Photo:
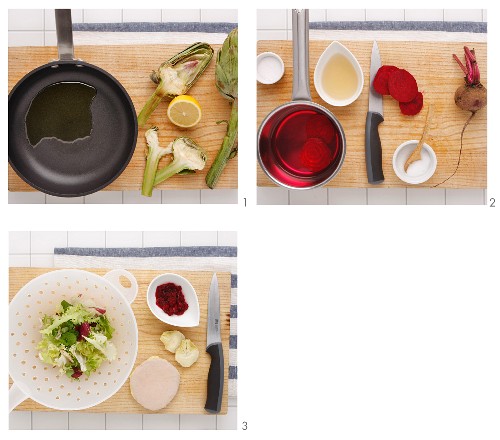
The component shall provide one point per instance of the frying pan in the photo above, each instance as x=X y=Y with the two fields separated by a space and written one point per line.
x=268 y=145
x=88 y=164
x=46 y=385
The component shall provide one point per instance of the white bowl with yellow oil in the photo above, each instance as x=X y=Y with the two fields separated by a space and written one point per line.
x=338 y=77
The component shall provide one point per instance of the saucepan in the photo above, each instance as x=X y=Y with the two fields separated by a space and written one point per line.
x=301 y=144
x=93 y=159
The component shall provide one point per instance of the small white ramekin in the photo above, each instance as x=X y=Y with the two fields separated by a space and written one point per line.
x=276 y=75
x=402 y=154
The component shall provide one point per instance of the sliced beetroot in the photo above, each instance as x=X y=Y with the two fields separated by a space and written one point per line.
x=76 y=373
x=315 y=155
x=319 y=126
x=414 y=106
x=402 y=86
x=380 y=82
x=84 y=330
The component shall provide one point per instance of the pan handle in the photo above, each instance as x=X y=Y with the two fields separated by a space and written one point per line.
x=64 y=28
x=300 y=35
x=16 y=396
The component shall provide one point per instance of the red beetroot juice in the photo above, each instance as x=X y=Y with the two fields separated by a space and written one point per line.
x=305 y=143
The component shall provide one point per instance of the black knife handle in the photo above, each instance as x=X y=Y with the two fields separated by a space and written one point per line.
x=373 y=148
x=215 y=382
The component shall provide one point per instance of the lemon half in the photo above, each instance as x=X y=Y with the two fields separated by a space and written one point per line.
x=184 y=111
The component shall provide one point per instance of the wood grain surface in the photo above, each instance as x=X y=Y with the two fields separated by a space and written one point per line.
x=437 y=75
x=191 y=396
x=131 y=65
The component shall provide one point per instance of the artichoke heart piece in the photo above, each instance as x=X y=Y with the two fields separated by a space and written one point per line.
x=187 y=157
x=187 y=353
x=172 y=339
x=176 y=76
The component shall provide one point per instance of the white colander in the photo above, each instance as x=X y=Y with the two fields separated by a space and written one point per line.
x=42 y=382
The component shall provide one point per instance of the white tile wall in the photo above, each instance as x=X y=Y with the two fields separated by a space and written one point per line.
x=120 y=239
x=45 y=242
x=385 y=14
x=50 y=420
x=199 y=238
x=463 y=15
x=426 y=196
x=424 y=14
x=123 y=421
x=386 y=196
x=36 y=27
x=273 y=196
x=317 y=196
x=198 y=421
x=227 y=238
x=181 y=15
x=22 y=248
x=86 y=239
x=103 y=15
x=86 y=421
x=346 y=14
x=161 y=421
x=347 y=196
x=142 y=15
x=219 y=15
x=159 y=239
x=274 y=24
x=26 y=19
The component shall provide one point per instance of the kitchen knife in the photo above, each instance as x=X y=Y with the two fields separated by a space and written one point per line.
x=373 y=146
x=215 y=382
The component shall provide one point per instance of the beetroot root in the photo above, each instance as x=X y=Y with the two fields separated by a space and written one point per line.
x=471 y=97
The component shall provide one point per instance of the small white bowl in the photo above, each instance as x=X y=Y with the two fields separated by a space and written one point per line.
x=417 y=172
x=191 y=317
x=270 y=68
x=334 y=49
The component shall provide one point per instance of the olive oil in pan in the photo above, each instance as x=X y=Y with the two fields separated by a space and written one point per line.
x=61 y=111
x=339 y=77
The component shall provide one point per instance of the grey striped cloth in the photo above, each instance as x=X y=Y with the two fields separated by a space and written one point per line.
x=206 y=258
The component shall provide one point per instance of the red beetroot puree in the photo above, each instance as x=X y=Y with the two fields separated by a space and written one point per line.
x=170 y=299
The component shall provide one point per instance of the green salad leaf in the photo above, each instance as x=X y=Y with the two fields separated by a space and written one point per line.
x=76 y=339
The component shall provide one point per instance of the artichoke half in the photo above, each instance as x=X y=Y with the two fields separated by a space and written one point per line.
x=176 y=76
x=226 y=81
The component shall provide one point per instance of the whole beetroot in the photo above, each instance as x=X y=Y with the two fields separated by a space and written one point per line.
x=471 y=96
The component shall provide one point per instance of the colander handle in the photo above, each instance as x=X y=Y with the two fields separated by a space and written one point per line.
x=128 y=292
x=16 y=396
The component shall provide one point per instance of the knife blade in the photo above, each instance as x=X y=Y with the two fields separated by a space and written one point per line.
x=375 y=115
x=215 y=381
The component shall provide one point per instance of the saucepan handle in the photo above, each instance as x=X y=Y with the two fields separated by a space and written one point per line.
x=16 y=396
x=300 y=35
x=64 y=29
x=128 y=292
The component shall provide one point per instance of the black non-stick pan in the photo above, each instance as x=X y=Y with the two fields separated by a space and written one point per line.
x=90 y=163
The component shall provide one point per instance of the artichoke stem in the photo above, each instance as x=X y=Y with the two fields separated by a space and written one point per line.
x=150 y=106
x=225 y=150
x=152 y=162
x=168 y=171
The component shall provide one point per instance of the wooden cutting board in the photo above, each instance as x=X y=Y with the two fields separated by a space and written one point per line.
x=192 y=393
x=437 y=75
x=131 y=65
